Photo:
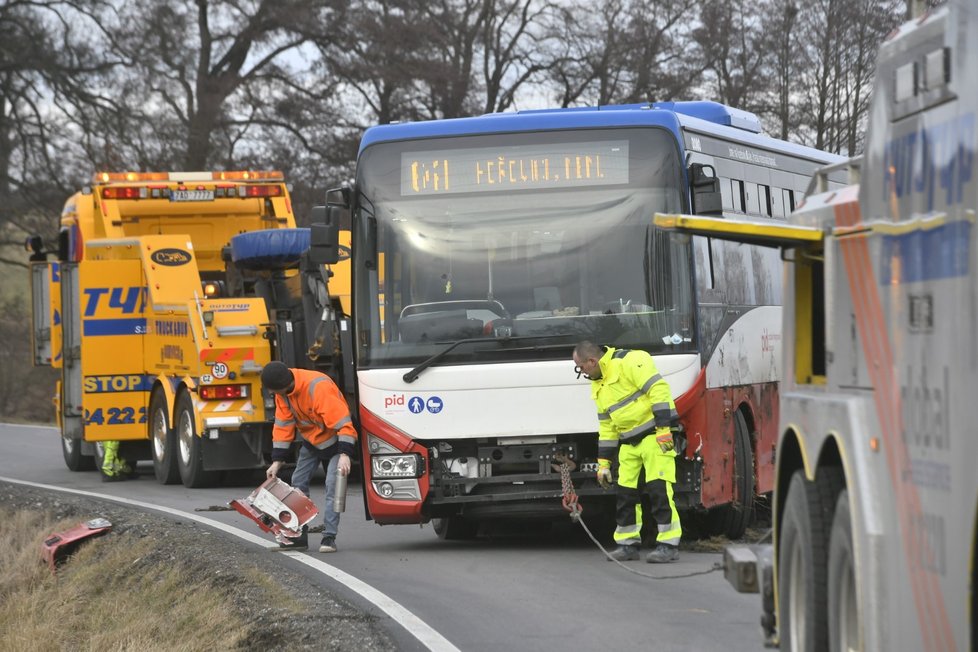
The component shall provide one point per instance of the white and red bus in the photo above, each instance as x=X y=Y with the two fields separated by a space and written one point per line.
x=485 y=248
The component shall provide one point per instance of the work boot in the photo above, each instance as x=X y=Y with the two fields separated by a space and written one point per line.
x=115 y=477
x=328 y=544
x=625 y=553
x=663 y=554
x=300 y=543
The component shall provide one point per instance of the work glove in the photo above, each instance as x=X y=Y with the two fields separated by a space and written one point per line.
x=604 y=476
x=665 y=441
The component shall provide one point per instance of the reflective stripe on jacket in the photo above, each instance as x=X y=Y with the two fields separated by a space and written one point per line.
x=633 y=401
x=318 y=411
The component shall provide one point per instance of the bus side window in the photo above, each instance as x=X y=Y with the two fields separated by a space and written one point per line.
x=789 y=200
x=737 y=194
x=725 y=194
x=753 y=206
x=777 y=203
x=766 y=200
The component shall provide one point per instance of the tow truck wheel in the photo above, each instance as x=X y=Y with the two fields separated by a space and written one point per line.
x=454 y=528
x=190 y=458
x=74 y=460
x=163 y=441
x=843 y=606
x=801 y=569
x=99 y=456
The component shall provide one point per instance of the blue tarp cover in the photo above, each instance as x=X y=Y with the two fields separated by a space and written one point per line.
x=269 y=249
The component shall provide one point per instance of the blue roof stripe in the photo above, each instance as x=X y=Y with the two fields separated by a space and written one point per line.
x=499 y=123
x=705 y=117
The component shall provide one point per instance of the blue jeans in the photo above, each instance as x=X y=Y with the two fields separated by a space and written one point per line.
x=304 y=467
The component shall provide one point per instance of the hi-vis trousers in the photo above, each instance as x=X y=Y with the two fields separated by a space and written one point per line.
x=660 y=475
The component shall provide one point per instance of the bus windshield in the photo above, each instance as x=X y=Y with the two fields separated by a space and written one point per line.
x=522 y=243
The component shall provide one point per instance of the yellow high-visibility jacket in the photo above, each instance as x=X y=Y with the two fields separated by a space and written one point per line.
x=633 y=401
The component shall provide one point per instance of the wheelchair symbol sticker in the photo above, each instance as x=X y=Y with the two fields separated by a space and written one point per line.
x=434 y=405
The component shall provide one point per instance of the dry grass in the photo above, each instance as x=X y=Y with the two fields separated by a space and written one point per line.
x=116 y=593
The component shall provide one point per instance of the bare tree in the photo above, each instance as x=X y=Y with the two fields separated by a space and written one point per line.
x=483 y=52
x=779 y=24
x=192 y=60
x=588 y=66
x=515 y=48
x=731 y=36
x=379 y=54
x=627 y=51
x=45 y=61
x=661 y=57
x=839 y=40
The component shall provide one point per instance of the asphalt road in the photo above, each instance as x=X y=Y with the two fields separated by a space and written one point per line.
x=507 y=591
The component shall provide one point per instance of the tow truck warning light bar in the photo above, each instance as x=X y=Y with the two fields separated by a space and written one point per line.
x=235 y=175
x=195 y=193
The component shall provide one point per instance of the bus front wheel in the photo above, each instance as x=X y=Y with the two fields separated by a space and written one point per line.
x=454 y=528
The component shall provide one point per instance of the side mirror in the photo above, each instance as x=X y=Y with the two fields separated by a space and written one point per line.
x=324 y=237
x=339 y=197
x=705 y=187
x=64 y=245
x=318 y=215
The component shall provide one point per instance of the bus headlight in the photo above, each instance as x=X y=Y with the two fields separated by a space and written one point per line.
x=397 y=466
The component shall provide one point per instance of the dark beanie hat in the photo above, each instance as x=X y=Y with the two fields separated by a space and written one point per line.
x=276 y=376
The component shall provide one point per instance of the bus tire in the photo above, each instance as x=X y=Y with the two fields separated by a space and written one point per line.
x=190 y=459
x=732 y=519
x=842 y=603
x=802 y=577
x=71 y=449
x=163 y=441
x=454 y=528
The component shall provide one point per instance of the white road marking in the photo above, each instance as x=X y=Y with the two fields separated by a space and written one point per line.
x=430 y=638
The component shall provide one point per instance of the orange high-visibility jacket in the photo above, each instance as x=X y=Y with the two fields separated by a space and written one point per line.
x=317 y=409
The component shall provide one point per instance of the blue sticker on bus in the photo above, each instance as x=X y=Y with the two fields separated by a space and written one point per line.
x=434 y=405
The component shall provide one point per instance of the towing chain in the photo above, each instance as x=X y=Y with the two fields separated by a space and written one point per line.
x=567 y=486
x=570 y=503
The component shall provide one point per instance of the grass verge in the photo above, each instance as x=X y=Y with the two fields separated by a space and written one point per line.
x=115 y=593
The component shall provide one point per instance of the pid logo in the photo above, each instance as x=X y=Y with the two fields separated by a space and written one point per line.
x=414 y=404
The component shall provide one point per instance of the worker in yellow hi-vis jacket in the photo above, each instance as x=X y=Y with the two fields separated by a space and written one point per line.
x=635 y=416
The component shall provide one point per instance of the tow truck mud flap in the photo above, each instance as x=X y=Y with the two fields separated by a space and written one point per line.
x=277 y=508
x=57 y=547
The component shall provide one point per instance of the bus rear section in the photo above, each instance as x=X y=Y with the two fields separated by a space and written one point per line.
x=485 y=249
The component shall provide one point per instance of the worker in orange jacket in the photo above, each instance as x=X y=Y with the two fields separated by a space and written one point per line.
x=309 y=403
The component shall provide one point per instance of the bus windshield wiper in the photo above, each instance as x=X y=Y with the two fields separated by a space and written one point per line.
x=412 y=375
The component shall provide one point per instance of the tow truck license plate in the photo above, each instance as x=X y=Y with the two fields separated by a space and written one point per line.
x=191 y=195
